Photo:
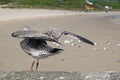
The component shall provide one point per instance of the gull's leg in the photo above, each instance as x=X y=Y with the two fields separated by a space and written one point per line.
x=37 y=63
x=31 y=69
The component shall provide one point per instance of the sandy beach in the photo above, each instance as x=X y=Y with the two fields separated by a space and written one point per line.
x=99 y=27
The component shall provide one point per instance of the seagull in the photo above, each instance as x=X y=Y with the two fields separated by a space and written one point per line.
x=35 y=44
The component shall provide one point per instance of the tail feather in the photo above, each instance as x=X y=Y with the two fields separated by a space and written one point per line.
x=56 y=51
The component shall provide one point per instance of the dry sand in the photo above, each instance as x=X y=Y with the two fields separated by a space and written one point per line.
x=100 y=27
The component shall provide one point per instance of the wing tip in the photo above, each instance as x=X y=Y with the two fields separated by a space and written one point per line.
x=93 y=44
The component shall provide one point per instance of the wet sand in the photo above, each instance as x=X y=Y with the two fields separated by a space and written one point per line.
x=99 y=27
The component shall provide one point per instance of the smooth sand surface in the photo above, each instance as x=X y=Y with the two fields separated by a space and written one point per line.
x=13 y=14
x=99 y=27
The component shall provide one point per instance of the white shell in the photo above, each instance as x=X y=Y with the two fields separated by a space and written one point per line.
x=72 y=44
x=95 y=44
x=104 y=48
x=79 y=40
x=62 y=77
x=41 y=78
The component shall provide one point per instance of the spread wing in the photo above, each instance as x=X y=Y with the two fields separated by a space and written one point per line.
x=78 y=37
x=32 y=34
x=57 y=33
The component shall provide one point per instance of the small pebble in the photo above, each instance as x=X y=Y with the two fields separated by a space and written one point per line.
x=95 y=44
x=87 y=77
x=79 y=40
x=62 y=60
x=41 y=78
x=104 y=48
x=95 y=49
x=71 y=40
x=118 y=45
x=79 y=46
x=72 y=44
x=109 y=43
x=62 y=77
x=106 y=41
x=112 y=52
x=64 y=12
x=118 y=61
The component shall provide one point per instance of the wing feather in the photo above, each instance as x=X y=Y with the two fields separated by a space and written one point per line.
x=56 y=33
x=78 y=37
x=32 y=34
x=51 y=34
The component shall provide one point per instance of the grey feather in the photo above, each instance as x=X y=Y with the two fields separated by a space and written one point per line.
x=32 y=34
x=79 y=37
x=57 y=33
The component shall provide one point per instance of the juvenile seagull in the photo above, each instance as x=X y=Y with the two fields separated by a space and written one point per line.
x=35 y=45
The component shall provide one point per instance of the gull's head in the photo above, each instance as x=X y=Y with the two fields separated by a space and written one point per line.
x=25 y=33
x=13 y=34
x=16 y=34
